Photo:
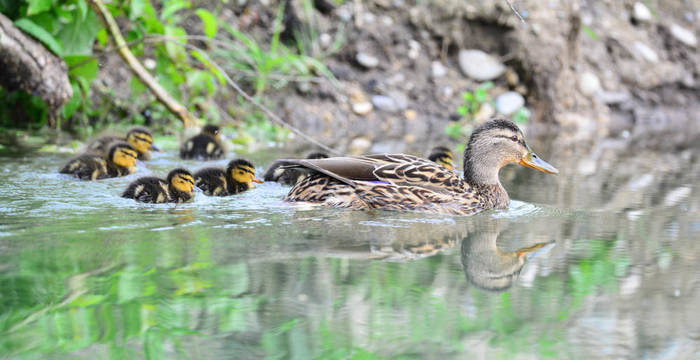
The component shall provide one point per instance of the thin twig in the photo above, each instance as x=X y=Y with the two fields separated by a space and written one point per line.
x=137 y=68
x=515 y=11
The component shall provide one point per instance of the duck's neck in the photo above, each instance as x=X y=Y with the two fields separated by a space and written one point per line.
x=235 y=187
x=179 y=196
x=481 y=172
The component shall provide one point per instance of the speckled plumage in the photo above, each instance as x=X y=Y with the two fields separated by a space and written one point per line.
x=151 y=189
x=203 y=146
x=101 y=145
x=286 y=176
x=95 y=167
x=217 y=181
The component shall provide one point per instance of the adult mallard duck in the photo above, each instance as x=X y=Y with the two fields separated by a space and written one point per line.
x=238 y=177
x=204 y=146
x=443 y=156
x=176 y=188
x=120 y=161
x=278 y=173
x=408 y=183
x=138 y=137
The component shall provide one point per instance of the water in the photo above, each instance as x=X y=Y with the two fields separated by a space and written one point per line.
x=87 y=274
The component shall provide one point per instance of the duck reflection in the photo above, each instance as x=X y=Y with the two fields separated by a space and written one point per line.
x=489 y=268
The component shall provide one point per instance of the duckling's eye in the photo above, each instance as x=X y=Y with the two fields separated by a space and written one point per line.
x=514 y=138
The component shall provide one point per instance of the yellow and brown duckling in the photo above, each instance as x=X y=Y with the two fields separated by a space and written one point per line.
x=176 y=188
x=408 y=183
x=238 y=177
x=278 y=173
x=138 y=137
x=443 y=156
x=120 y=161
x=204 y=146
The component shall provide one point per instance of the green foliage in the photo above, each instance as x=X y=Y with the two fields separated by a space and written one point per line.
x=588 y=31
x=474 y=100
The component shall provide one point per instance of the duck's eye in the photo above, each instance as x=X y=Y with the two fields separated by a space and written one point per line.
x=514 y=138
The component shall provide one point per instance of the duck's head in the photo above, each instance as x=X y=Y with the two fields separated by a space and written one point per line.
x=122 y=154
x=181 y=180
x=494 y=144
x=242 y=171
x=443 y=156
x=140 y=139
x=213 y=131
x=317 y=155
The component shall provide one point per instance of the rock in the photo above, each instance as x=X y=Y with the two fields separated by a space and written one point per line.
x=486 y=111
x=410 y=114
x=438 y=69
x=366 y=60
x=359 y=145
x=684 y=35
x=512 y=77
x=589 y=84
x=413 y=49
x=509 y=102
x=399 y=98
x=611 y=97
x=676 y=195
x=646 y=52
x=149 y=63
x=325 y=40
x=385 y=103
x=641 y=12
x=362 y=108
x=479 y=65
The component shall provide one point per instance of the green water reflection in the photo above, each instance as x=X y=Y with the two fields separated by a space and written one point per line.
x=248 y=277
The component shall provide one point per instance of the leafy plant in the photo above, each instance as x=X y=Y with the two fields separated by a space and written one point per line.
x=474 y=100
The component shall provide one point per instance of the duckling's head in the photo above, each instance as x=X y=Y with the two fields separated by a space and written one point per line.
x=122 y=154
x=242 y=171
x=494 y=144
x=140 y=139
x=212 y=130
x=317 y=155
x=443 y=156
x=181 y=180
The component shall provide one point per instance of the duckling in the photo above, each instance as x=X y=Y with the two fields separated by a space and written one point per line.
x=204 y=146
x=176 y=188
x=120 y=161
x=238 y=177
x=443 y=156
x=138 y=137
x=289 y=176
x=407 y=183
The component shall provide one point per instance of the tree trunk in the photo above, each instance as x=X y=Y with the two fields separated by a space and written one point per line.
x=25 y=64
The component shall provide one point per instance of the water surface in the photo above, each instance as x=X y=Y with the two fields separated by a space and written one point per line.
x=87 y=274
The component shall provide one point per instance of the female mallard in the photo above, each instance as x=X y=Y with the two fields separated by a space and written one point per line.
x=405 y=182
x=176 y=188
x=120 y=161
x=238 y=177
x=278 y=173
x=138 y=137
x=204 y=146
x=443 y=156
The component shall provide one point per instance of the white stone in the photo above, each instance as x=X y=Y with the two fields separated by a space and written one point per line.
x=385 y=103
x=641 y=12
x=486 y=111
x=438 y=69
x=413 y=49
x=366 y=60
x=362 y=108
x=479 y=65
x=509 y=102
x=149 y=63
x=325 y=39
x=684 y=35
x=646 y=52
x=588 y=83
x=359 y=145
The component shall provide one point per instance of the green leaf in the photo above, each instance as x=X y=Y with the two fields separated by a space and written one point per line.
x=83 y=7
x=136 y=9
x=588 y=31
x=137 y=87
x=82 y=66
x=37 y=6
x=102 y=37
x=74 y=102
x=174 y=49
x=40 y=34
x=78 y=36
x=209 y=24
x=46 y=20
x=173 y=7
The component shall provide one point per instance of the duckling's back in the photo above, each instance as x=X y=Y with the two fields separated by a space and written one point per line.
x=101 y=145
x=202 y=147
x=212 y=181
x=86 y=167
x=149 y=190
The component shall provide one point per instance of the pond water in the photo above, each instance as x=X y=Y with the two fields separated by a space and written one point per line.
x=87 y=274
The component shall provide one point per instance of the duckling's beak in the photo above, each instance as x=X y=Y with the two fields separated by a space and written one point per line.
x=534 y=161
x=155 y=148
x=258 y=181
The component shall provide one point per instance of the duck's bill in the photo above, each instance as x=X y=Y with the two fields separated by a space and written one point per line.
x=258 y=181
x=155 y=148
x=534 y=161
x=535 y=250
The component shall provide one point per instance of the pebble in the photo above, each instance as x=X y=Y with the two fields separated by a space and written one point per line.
x=684 y=35
x=641 y=12
x=589 y=84
x=646 y=52
x=512 y=77
x=410 y=114
x=326 y=40
x=149 y=63
x=399 y=98
x=613 y=97
x=366 y=60
x=385 y=103
x=413 y=49
x=479 y=65
x=438 y=69
x=362 y=107
x=486 y=111
x=509 y=102
x=359 y=145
